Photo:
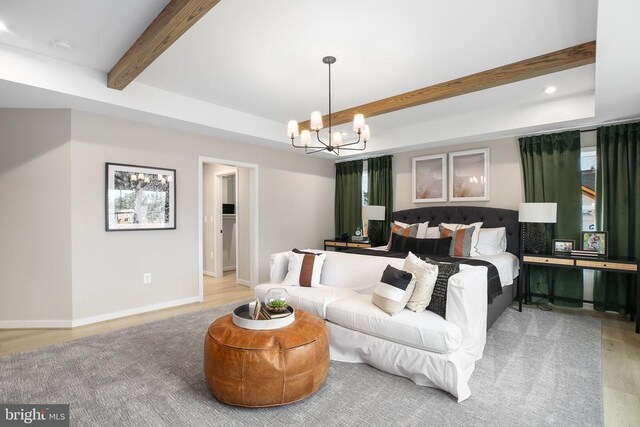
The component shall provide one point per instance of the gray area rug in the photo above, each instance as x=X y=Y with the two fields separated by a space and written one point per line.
x=539 y=368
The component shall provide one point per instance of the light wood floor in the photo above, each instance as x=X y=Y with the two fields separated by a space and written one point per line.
x=620 y=345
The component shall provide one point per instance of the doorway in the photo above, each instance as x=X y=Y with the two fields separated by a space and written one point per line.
x=228 y=220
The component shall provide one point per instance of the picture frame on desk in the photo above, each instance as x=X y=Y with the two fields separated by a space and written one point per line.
x=595 y=241
x=563 y=246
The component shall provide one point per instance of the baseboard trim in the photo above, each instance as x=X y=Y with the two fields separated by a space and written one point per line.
x=243 y=282
x=209 y=273
x=230 y=268
x=35 y=324
x=132 y=311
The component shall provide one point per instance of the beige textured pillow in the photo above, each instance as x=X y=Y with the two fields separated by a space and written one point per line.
x=426 y=275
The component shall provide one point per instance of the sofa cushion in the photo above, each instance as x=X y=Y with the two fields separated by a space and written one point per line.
x=425 y=330
x=395 y=288
x=313 y=300
x=304 y=269
x=360 y=273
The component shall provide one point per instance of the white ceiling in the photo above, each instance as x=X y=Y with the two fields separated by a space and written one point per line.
x=249 y=66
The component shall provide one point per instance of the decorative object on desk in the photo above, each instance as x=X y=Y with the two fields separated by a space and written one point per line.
x=563 y=246
x=469 y=175
x=536 y=215
x=371 y=217
x=139 y=198
x=595 y=241
x=581 y=253
x=334 y=144
x=277 y=300
x=429 y=178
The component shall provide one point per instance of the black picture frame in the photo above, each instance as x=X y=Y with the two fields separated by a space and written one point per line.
x=563 y=246
x=146 y=202
x=595 y=241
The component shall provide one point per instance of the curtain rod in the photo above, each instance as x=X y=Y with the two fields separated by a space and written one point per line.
x=589 y=129
x=354 y=158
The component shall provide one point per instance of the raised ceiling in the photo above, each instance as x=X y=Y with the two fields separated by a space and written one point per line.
x=248 y=66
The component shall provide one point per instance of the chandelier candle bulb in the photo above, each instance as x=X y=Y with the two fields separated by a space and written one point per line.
x=292 y=129
x=316 y=120
x=366 y=134
x=358 y=122
x=305 y=137
x=141 y=176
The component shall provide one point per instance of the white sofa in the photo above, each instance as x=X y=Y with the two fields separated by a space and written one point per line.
x=424 y=347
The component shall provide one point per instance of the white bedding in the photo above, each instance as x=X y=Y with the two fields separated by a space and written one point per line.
x=506 y=263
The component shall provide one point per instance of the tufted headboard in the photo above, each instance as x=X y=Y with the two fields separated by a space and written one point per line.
x=491 y=218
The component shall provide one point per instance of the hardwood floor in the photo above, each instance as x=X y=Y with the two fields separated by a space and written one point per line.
x=216 y=292
x=620 y=345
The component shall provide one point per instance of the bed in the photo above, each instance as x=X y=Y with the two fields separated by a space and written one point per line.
x=507 y=264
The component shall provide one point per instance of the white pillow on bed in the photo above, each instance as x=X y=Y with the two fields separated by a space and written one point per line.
x=474 y=236
x=433 y=233
x=422 y=228
x=492 y=241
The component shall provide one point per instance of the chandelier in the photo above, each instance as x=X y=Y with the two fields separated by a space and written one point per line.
x=335 y=144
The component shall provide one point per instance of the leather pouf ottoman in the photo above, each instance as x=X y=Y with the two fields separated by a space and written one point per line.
x=245 y=367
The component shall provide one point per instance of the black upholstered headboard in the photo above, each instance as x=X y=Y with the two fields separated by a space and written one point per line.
x=490 y=217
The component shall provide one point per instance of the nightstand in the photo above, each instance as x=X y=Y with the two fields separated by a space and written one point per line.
x=340 y=245
x=616 y=265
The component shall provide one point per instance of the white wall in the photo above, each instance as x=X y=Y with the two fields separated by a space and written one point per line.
x=35 y=217
x=506 y=185
x=61 y=264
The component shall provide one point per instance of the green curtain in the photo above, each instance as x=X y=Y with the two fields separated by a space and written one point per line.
x=380 y=172
x=617 y=208
x=348 y=203
x=551 y=169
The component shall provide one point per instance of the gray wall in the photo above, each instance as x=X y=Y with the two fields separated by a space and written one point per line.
x=35 y=215
x=59 y=263
x=506 y=189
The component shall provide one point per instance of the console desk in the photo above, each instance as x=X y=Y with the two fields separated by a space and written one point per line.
x=615 y=265
x=340 y=245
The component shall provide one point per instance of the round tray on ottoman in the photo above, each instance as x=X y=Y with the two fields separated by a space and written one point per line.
x=258 y=368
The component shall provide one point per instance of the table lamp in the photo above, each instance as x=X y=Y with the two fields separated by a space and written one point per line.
x=371 y=215
x=535 y=216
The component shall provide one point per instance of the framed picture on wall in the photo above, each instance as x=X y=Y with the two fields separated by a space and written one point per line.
x=469 y=175
x=139 y=198
x=429 y=178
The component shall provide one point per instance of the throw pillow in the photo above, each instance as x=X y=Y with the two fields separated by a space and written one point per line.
x=492 y=241
x=394 y=291
x=433 y=233
x=427 y=247
x=474 y=238
x=304 y=269
x=438 y=303
x=421 y=233
x=426 y=275
x=461 y=240
x=410 y=231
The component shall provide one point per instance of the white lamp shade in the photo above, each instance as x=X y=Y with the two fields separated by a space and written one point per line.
x=373 y=212
x=538 y=212
x=316 y=120
x=336 y=139
x=292 y=128
x=305 y=137
x=358 y=122
x=366 y=134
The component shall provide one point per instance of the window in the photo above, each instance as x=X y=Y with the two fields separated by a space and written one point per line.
x=365 y=183
x=588 y=170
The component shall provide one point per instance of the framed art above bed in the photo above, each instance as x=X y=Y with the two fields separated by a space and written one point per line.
x=469 y=175
x=429 y=178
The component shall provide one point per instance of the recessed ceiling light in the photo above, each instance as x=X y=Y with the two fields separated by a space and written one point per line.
x=62 y=45
x=550 y=89
x=3 y=28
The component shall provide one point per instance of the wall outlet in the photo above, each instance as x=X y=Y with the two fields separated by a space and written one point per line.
x=146 y=278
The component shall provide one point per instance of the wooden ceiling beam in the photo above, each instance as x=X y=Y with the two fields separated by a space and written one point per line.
x=174 y=20
x=575 y=56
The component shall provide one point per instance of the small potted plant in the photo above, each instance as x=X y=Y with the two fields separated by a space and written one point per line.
x=277 y=300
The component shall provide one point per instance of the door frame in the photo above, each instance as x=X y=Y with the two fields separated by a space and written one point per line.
x=253 y=219
x=218 y=261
